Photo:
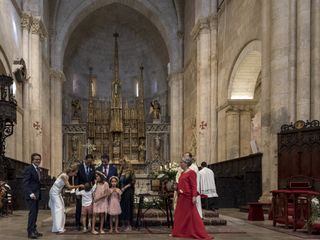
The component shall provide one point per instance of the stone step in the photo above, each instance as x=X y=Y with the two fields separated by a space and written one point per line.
x=155 y=213
x=163 y=221
x=156 y=217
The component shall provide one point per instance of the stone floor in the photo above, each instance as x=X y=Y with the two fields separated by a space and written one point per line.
x=13 y=227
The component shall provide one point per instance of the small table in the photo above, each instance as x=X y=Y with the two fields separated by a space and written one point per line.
x=168 y=211
x=255 y=211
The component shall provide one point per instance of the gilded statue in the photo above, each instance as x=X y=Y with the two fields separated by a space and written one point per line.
x=155 y=110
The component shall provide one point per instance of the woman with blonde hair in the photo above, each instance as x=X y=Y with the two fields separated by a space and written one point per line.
x=126 y=182
x=56 y=202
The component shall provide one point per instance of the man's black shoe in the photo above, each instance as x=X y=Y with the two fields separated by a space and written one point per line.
x=32 y=236
x=38 y=234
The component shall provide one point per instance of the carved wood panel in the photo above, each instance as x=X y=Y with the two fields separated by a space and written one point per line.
x=298 y=151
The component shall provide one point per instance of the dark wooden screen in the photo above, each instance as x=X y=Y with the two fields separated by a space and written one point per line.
x=238 y=181
x=13 y=175
x=298 y=151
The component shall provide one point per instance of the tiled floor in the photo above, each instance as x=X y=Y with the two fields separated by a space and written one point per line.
x=14 y=227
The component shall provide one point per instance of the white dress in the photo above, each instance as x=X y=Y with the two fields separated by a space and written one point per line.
x=56 y=204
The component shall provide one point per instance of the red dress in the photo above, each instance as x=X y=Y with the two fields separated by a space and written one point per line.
x=187 y=221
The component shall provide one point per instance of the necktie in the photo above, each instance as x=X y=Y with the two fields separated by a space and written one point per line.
x=38 y=172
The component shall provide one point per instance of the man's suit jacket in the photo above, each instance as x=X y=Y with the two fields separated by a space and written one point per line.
x=112 y=171
x=31 y=182
x=83 y=178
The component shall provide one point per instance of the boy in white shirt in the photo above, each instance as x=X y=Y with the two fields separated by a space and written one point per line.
x=87 y=200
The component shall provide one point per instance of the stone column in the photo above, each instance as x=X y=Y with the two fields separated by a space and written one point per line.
x=279 y=75
x=233 y=132
x=176 y=116
x=265 y=100
x=292 y=60
x=35 y=123
x=56 y=79
x=25 y=25
x=303 y=59
x=201 y=33
x=245 y=131
x=214 y=89
x=315 y=59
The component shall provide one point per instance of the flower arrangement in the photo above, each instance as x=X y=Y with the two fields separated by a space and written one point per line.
x=315 y=210
x=169 y=170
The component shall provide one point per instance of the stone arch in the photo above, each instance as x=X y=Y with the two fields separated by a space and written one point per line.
x=167 y=30
x=245 y=72
x=243 y=105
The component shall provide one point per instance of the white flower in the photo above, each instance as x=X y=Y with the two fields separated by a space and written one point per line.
x=315 y=201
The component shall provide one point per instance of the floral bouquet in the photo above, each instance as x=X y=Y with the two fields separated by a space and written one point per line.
x=169 y=170
x=315 y=210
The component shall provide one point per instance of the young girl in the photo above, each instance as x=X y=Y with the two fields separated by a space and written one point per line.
x=86 y=201
x=100 y=203
x=114 y=203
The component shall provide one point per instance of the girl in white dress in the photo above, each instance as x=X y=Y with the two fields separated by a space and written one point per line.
x=56 y=202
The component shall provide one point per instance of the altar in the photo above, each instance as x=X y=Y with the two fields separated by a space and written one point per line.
x=116 y=126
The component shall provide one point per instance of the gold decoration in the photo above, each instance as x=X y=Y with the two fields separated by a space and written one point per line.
x=299 y=124
x=115 y=127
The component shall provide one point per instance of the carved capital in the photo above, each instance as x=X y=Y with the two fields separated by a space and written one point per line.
x=202 y=24
x=241 y=106
x=57 y=75
x=37 y=27
x=25 y=21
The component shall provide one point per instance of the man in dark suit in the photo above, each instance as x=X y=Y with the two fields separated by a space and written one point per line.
x=31 y=184
x=106 y=168
x=86 y=174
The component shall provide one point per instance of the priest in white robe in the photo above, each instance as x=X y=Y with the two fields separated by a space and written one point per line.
x=207 y=184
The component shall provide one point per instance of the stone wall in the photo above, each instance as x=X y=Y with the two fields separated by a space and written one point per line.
x=25 y=36
x=239 y=23
x=10 y=49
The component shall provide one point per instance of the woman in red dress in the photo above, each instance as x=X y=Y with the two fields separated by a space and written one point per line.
x=187 y=221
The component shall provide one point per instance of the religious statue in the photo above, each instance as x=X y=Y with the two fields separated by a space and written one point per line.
x=74 y=147
x=142 y=150
x=157 y=147
x=76 y=108
x=155 y=110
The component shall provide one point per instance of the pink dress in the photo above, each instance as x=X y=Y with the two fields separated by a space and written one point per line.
x=114 y=202
x=101 y=206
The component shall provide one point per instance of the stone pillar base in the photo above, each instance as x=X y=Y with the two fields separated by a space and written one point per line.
x=266 y=197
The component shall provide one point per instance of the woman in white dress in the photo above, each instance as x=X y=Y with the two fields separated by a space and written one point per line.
x=56 y=202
